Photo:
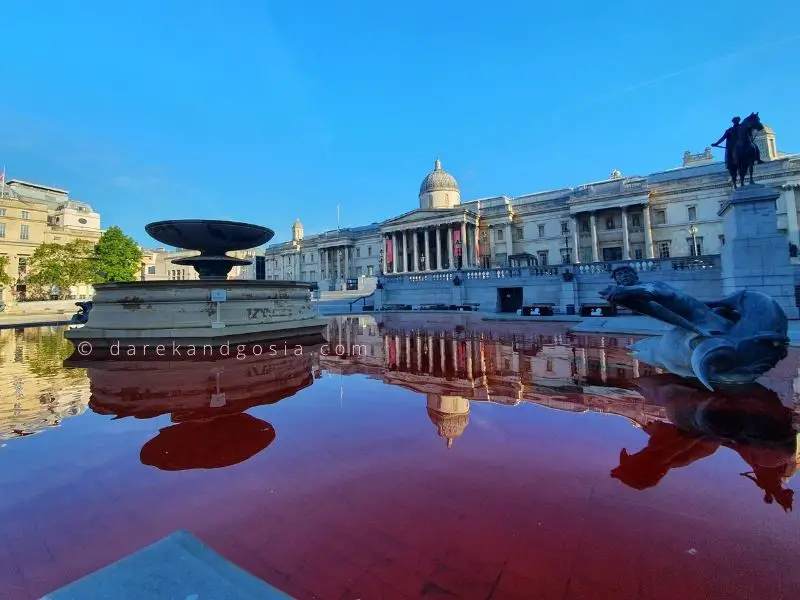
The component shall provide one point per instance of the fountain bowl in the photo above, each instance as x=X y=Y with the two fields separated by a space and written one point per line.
x=209 y=237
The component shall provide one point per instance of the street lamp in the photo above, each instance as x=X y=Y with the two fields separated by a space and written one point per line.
x=566 y=246
x=458 y=252
x=693 y=232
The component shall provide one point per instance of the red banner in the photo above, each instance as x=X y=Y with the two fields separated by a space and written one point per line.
x=389 y=252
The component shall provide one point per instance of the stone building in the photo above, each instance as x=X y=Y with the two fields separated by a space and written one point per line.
x=33 y=214
x=158 y=265
x=671 y=213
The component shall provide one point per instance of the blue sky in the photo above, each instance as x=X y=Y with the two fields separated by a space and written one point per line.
x=268 y=111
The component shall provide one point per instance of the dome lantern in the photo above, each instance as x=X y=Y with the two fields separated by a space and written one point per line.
x=439 y=189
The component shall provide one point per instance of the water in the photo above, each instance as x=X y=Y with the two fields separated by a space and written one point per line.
x=415 y=459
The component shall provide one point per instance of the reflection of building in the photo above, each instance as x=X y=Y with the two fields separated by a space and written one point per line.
x=553 y=370
x=38 y=392
x=32 y=215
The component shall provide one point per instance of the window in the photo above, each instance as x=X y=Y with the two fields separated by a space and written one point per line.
x=151 y=270
x=586 y=255
x=566 y=256
x=313 y=275
x=369 y=250
x=542 y=254
x=541 y=230
x=663 y=249
x=585 y=226
x=22 y=265
x=358 y=271
x=358 y=252
x=24 y=232
x=661 y=217
x=484 y=236
x=695 y=249
x=2 y=212
x=2 y=230
x=564 y=226
x=692 y=213
x=548 y=365
x=25 y=214
x=638 y=253
x=519 y=232
x=499 y=235
x=610 y=223
x=369 y=271
x=82 y=221
x=636 y=221
x=721 y=240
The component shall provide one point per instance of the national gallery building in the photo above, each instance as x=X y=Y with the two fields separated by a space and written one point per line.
x=672 y=213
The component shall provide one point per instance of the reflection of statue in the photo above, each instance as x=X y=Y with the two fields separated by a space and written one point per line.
x=82 y=316
x=729 y=341
x=751 y=421
x=741 y=152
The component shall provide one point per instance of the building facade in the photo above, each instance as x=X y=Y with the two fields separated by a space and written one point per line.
x=32 y=215
x=158 y=265
x=672 y=213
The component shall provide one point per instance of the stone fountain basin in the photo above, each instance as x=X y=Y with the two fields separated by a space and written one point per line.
x=209 y=237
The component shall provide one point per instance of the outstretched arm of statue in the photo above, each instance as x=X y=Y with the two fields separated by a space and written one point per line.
x=720 y=140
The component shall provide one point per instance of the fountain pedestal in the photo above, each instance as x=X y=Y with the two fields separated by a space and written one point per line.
x=211 y=310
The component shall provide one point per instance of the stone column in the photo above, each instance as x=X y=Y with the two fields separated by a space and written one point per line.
x=442 y=355
x=576 y=239
x=426 y=263
x=468 y=352
x=385 y=253
x=438 y=248
x=476 y=245
x=790 y=200
x=415 y=245
x=347 y=262
x=450 y=262
x=408 y=352
x=626 y=243
x=648 y=233
x=603 y=360
x=406 y=265
x=394 y=252
x=430 y=353
x=418 y=345
x=464 y=250
x=509 y=244
x=595 y=244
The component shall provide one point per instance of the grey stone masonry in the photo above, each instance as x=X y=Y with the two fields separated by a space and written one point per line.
x=755 y=255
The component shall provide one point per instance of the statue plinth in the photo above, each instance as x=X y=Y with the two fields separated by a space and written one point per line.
x=755 y=255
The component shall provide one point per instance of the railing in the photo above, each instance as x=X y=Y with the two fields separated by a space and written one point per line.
x=362 y=299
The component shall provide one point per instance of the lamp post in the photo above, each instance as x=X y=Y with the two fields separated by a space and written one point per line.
x=380 y=262
x=569 y=252
x=693 y=232
x=458 y=252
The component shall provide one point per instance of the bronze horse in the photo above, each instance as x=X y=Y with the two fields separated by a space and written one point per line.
x=745 y=152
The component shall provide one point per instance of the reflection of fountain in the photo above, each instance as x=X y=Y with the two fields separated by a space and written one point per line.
x=206 y=400
x=204 y=310
x=751 y=420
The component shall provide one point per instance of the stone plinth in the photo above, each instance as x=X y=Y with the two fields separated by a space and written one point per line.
x=755 y=256
x=184 y=310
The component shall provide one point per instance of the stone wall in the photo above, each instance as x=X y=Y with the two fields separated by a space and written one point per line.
x=700 y=277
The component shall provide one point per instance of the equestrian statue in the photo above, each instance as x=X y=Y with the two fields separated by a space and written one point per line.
x=741 y=151
x=727 y=342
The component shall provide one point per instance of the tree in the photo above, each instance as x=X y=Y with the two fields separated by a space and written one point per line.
x=60 y=266
x=116 y=257
x=5 y=278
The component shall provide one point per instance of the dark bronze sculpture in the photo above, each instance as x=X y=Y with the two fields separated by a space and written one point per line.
x=730 y=341
x=82 y=316
x=741 y=152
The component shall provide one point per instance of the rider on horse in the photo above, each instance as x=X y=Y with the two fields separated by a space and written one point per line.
x=730 y=137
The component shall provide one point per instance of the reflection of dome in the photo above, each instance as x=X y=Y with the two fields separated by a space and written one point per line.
x=450 y=414
x=438 y=180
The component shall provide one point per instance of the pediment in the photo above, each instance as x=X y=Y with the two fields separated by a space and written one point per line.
x=423 y=214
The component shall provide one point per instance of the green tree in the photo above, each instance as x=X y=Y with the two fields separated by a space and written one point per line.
x=60 y=266
x=116 y=257
x=5 y=278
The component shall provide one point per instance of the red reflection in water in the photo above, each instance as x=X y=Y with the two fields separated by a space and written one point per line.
x=357 y=498
x=219 y=442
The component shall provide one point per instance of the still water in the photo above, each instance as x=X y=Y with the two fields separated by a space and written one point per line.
x=407 y=459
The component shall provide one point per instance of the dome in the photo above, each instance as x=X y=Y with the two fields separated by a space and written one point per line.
x=438 y=180
x=449 y=426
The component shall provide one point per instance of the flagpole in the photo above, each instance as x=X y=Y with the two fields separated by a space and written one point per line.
x=3 y=191
x=337 y=216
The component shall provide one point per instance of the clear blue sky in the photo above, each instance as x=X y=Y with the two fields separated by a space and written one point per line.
x=268 y=111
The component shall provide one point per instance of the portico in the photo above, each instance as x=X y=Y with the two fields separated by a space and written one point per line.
x=431 y=240
x=613 y=232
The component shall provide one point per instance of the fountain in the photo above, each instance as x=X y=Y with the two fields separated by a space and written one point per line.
x=211 y=310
